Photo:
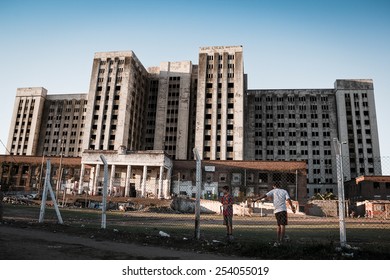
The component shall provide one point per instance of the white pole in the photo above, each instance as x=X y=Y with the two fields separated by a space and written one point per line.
x=48 y=187
x=296 y=185
x=340 y=183
x=198 y=190
x=104 y=199
x=40 y=174
x=44 y=194
x=60 y=171
x=261 y=209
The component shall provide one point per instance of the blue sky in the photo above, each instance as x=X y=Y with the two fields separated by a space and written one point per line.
x=287 y=44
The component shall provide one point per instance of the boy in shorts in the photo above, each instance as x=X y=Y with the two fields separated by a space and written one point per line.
x=279 y=197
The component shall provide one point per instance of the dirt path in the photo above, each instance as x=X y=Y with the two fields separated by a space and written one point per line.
x=33 y=244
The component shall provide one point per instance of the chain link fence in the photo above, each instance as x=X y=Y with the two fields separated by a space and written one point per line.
x=366 y=206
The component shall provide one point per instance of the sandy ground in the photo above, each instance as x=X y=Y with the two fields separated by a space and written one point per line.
x=33 y=244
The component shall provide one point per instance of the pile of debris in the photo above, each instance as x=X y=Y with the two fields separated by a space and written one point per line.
x=21 y=199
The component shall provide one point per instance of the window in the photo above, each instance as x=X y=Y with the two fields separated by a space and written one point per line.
x=263 y=178
x=236 y=177
x=222 y=177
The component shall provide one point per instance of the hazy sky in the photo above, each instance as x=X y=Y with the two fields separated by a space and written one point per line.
x=287 y=44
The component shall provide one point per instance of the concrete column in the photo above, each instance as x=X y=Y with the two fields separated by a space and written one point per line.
x=27 y=185
x=144 y=176
x=91 y=181
x=160 y=183
x=96 y=179
x=81 y=180
x=128 y=177
x=112 y=178
x=168 y=183
x=19 y=175
x=9 y=173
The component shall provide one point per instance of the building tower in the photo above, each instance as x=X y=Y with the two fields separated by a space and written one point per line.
x=172 y=109
x=62 y=128
x=294 y=125
x=220 y=103
x=23 y=137
x=357 y=127
x=116 y=102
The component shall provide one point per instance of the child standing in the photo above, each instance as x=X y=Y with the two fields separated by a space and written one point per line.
x=227 y=204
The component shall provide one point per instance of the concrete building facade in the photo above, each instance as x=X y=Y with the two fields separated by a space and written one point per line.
x=116 y=102
x=357 y=127
x=300 y=124
x=369 y=187
x=169 y=112
x=26 y=121
x=131 y=173
x=294 y=124
x=48 y=125
x=62 y=128
x=178 y=106
x=220 y=104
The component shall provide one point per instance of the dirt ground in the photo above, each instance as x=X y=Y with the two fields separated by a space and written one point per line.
x=20 y=241
x=23 y=238
x=81 y=238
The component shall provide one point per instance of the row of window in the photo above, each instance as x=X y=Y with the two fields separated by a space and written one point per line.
x=220 y=75
x=291 y=143
x=54 y=150
x=210 y=85
x=211 y=57
x=65 y=125
x=290 y=116
x=289 y=125
x=290 y=98
x=64 y=133
x=282 y=152
x=294 y=108
x=356 y=96
x=291 y=134
x=59 y=110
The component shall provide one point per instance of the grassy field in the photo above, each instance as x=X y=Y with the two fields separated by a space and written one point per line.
x=310 y=237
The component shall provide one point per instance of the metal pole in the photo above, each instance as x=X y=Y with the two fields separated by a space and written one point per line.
x=104 y=199
x=44 y=194
x=296 y=185
x=198 y=190
x=40 y=174
x=48 y=187
x=340 y=184
x=60 y=171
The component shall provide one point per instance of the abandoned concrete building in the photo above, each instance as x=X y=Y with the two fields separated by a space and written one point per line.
x=177 y=106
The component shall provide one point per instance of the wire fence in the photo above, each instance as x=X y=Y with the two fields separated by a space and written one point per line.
x=366 y=205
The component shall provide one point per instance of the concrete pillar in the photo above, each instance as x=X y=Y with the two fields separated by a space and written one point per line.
x=112 y=178
x=81 y=180
x=91 y=181
x=144 y=177
x=9 y=173
x=28 y=186
x=19 y=175
x=96 y=180
x=160 y=183
x=128 y=177
x=168 y=183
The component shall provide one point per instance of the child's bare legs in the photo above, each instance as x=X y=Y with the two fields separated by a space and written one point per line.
x=280 y=233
